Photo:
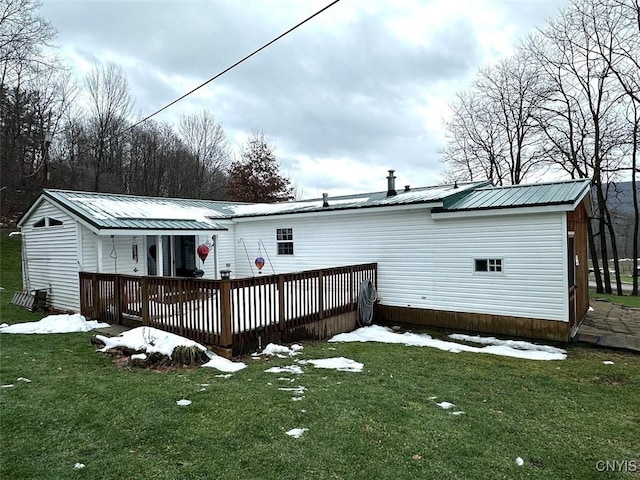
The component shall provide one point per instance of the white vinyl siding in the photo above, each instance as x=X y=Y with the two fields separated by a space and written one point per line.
x=425 y=263
x=51 y=253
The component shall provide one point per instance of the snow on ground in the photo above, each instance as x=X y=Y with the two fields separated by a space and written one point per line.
x=281 y=351
x=608 y=362
x=376 y=333
x=517 y=344
x=55 y=324
x=296 y=432
x=336 y=363
x=445 y=405
x=184 y=402
x=152 y=340
x=149 y=340
x=287 y=369
x=223 y=364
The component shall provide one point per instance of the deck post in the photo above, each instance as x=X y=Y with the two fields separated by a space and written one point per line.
x=144 y=284
x=226 y=337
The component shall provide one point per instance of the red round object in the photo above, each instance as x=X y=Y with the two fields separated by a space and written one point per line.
x=203 y=251
x=259 y=263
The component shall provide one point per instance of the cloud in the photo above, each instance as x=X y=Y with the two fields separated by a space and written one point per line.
x=359 y=89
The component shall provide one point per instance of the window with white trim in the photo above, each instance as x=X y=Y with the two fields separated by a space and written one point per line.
x=491 y=265
x=47 y=222
x=284 y=238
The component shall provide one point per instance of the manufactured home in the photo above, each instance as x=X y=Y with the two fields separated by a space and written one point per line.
x=502 y=260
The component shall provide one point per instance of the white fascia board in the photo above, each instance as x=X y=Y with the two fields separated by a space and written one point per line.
x=29 y=212
x=493 y=212
x=344 y=211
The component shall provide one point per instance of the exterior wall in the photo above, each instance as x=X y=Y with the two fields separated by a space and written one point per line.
x=117 y=255
x=577 y=222
x=50 y=255
x=428 y=264
x=89 y=254
x=226 y=247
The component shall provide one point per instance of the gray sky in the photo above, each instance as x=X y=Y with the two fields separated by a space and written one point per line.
x=361 y=89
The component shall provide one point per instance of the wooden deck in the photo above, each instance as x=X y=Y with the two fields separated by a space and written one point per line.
x=231 y=316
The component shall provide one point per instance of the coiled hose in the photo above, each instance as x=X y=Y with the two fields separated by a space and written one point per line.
x=367 y=296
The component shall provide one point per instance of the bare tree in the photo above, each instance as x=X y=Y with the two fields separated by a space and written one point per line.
x=207 y=143
x=110 y=104
x=494 y=133
x=23 y=33
x=582 y=117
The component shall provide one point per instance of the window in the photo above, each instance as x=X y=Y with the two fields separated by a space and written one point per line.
x=284 y=236
x=47 y=222
x=488 y=265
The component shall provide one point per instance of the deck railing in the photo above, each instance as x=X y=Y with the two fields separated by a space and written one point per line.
x=224 y=313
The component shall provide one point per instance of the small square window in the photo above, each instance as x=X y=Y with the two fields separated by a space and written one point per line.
x=487 y=265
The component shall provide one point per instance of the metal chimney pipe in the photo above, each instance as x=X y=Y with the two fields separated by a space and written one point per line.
x=325 y=199
x=391 y=184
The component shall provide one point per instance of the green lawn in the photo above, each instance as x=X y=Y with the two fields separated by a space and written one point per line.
x=627 y=300
x=561 y=417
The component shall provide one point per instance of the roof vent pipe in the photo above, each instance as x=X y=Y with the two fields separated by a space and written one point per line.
x=325 y=201
x=407 y=188
x=391 y=184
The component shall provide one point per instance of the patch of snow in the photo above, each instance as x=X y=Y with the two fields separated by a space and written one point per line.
x=295 y=369
x=299 y=390
x=431 y=398
x=63 y=323
x=336 y=363
x=516 y=344
x=590 y=308
x=184 y=402
x=296 y=399
x=223 y=364
x=286 y=379
x=8 y=385
x=275 y=349
x=138 y=356
x=152 y=340
x=296 y=432
x=459 y=412
x=519 y=461
x=445 y=405
x=226 y=375
x=376 y=333
x=79 y=465
x=15 y=234
x=149 y=340
x=25 y=380
x=608 y=362
x=4 y=325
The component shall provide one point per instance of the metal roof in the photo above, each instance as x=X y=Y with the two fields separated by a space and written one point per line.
x=129 y=212
x=536 y=194
x=115 y=211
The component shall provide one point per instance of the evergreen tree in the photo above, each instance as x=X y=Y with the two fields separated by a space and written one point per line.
x=256 y=176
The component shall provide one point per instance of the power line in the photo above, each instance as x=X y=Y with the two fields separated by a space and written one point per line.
x=231 y=67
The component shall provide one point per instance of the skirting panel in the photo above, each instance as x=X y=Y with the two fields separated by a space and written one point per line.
x=476 y=322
